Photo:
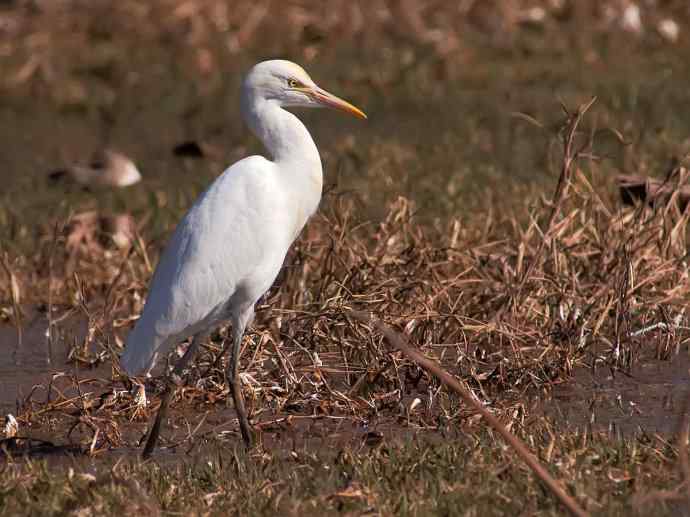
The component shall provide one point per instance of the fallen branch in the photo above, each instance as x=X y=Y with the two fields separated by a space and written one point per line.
x=434 y=369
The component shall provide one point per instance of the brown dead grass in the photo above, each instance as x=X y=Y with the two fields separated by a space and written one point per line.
x=510 y=303
x=509 y=307
x=44 y=41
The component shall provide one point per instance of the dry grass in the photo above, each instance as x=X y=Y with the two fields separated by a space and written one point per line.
x=511 y=302
x=509 y=307
x=45 y=41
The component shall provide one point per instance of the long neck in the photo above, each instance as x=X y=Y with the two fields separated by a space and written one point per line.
x=285 y=137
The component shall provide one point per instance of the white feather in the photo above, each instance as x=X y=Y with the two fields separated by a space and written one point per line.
x=229 y=247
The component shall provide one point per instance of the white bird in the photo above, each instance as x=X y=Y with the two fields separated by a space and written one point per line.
x=108 y=168
x=229 y=247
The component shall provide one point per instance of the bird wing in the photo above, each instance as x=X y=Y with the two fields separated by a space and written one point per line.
x=231 y=232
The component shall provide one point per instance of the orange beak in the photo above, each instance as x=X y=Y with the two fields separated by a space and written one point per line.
x=331 y=101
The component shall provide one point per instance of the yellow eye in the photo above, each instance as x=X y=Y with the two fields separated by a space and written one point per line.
x=292 y=83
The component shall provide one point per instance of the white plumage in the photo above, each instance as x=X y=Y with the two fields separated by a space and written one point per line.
x=223 y=256
x=229 y=247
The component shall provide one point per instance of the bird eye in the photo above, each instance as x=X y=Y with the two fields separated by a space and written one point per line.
x=293 y=83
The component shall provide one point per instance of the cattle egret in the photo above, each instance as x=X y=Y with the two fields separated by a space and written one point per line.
x=107 y=168
x=229 y=247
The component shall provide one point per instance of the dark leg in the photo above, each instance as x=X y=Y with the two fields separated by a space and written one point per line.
x=165 y=397
x=232 y=373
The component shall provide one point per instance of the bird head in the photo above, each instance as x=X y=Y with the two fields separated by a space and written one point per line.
x=288 y=84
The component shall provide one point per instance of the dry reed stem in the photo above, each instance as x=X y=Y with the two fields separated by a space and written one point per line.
x=570 y=156
x=435 y=369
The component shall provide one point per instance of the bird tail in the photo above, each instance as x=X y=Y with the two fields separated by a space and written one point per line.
x=141 y=350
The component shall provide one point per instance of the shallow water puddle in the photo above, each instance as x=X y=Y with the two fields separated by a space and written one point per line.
x=30 y=365
x=650 y=399
x=33 y=372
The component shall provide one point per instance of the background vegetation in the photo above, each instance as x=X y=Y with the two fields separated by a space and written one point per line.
x=441 y=216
